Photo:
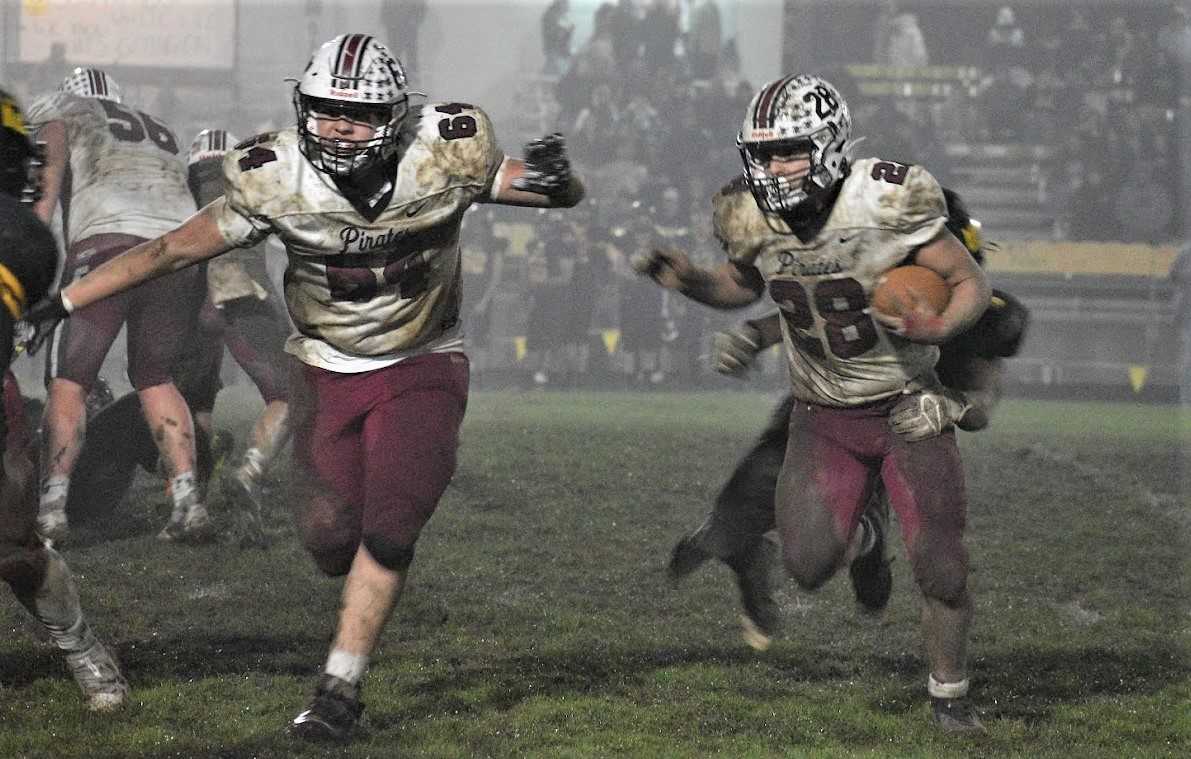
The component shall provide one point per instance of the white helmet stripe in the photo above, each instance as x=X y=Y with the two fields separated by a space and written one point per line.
x=763 y=117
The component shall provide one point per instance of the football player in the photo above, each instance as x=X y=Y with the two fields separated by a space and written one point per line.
x=970 y=366
x=117 y=174
x=243 y=309
x=36 y=572
x=816 y=231
x=367 y=192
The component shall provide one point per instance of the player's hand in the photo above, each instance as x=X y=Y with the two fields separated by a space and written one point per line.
x=39 y=323
x=926 y=414
x=918 y=322
x=733 y=350
x=669 y=267
x=547 y=168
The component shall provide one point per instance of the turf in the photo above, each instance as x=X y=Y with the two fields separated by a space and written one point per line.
x=539 y=621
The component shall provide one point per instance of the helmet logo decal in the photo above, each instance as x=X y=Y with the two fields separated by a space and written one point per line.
x=347 y=65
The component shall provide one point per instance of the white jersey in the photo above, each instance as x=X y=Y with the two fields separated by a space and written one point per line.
x=125 y=173
x=837 y=354
x=365 y=293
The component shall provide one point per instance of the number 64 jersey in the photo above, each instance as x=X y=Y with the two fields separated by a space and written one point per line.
x=125 y=173
x=837 y=354
x=364 y=293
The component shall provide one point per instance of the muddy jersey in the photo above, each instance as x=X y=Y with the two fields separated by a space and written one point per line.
x=382 y=289
x=126 y=176
x=235 y=275
x=837 y=354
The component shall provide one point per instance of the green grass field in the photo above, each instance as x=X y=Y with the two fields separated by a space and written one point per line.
x=539 y=621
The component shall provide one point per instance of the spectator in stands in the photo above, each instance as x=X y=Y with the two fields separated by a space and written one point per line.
x=705 y=40
x=659 y=34
x=1121 y=46
x=1175 y=40
x=627 y=33
x=402 y=20
x=1005 y=43
x=905 y=45
x=1180 y=277
x=556 y=37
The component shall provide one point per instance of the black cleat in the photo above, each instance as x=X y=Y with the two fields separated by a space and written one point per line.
x=872 y=579
x=332 y=714
x=754 y=576
x=687 y=556
x=955 y=715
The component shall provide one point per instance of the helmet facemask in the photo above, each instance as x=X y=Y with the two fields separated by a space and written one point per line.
x=352 y=78
x=341 y=157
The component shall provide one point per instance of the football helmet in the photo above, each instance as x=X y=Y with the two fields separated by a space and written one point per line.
x=353 y=77
x=795 y=115
x=91 y=83
x=20 y=157
x=210 y=143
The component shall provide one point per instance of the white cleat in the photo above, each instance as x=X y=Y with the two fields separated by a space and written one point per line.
x=97 y=674
x=189 y=522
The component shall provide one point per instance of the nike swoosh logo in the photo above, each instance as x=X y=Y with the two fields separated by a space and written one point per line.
x=845 y=240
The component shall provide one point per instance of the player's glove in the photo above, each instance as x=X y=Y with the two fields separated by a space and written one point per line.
x=733 y=350
x=547 y=168
x=926 y=414
x=40 y=321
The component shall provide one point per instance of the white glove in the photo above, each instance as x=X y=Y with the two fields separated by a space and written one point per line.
x=733 y=351
x=926 y=414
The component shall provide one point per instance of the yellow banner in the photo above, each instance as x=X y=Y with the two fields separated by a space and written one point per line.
x=1081 y=258
x=520 y=347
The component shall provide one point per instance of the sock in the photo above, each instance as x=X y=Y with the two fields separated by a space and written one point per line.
x=54 y=488
x=346 y=665
x=56 y=606
x=946 y=690
x=254 y=463
x=182 y=489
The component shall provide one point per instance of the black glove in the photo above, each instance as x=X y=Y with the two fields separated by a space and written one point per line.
x=40 y=321
x=547 y=168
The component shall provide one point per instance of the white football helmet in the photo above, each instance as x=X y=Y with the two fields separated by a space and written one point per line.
x=210 y=143
x=790 y=116
x=91 y=83
x=354 y=77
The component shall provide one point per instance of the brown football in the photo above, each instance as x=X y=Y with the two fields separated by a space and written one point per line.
x=900 y=288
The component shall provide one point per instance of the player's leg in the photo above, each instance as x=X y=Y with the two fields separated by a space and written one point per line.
x=255 y=336
x=76 y=353
x=925 y=481
x=161 y=318
x=824 y=484
x=410 y=440
x=328 y=476
x=743 y=510
x=38 y=575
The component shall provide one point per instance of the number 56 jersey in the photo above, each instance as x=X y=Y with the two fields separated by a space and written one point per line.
x=366 y=292
x=837 y=354
x=125 y=174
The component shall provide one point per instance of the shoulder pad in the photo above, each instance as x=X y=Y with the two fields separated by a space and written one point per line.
x=900 y=196
x=257 y=140
x=738 y=184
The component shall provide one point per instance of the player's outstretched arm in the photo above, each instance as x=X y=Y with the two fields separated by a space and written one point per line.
x=195 y=241
x=543 y=179
x=970 y=293
x=726 y=286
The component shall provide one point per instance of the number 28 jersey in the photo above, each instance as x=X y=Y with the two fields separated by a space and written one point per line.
x=837 y=354
x=365 y=293
x=125 y=173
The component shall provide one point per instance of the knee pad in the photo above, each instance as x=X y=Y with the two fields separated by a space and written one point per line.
x=333 y=561
x=329 y=538
x=390 y=554
x=942 y=577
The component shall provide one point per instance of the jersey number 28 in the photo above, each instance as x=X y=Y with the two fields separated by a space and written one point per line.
x=841 y=302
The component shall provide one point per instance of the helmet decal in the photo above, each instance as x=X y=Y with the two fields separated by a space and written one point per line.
x=91 y=83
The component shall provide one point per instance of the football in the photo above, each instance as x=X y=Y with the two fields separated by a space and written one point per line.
x=901 y=287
